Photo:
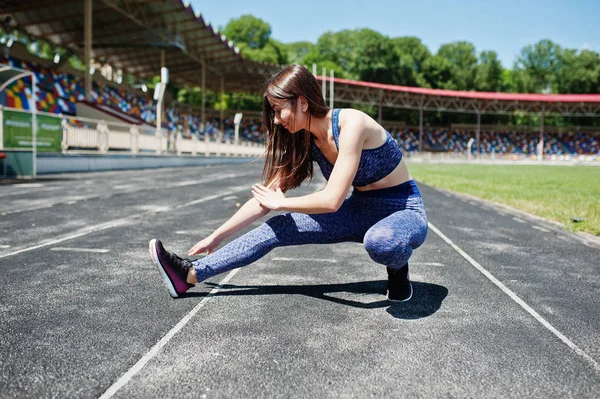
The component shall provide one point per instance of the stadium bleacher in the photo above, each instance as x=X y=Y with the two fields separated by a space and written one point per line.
x=498 y=141
x=58 y=92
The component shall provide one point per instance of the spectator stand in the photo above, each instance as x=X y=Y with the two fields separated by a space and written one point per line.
x=437 y=100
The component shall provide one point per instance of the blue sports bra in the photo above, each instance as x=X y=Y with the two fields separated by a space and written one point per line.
x=375 y=163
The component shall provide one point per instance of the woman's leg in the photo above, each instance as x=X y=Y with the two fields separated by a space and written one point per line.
x=283 y=230
x=391 y=240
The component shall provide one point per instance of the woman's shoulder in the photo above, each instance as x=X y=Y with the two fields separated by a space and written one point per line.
x=352 y=116
x=357 y=119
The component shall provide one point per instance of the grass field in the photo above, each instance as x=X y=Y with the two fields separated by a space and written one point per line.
x=559 y=193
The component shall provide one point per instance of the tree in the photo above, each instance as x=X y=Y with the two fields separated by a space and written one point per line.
x=461 y=56
x=412 y=54
x=338 y=48
x=374 y=58
x=297 y=51
x=489 y=72
x=578 y=73
x=437 y=71
x=252 y=31
x=537 y=66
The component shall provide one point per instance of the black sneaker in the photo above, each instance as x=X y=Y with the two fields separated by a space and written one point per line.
x=172 y=268
x=399 y=285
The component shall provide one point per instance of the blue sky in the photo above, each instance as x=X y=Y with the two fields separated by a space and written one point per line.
x=503 y=26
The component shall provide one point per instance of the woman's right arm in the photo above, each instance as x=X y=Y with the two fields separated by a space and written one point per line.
x=246 y=215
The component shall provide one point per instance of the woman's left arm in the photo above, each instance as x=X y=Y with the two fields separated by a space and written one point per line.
x=332 y=196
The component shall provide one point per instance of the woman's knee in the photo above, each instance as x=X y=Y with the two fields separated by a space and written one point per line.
x=387 y=247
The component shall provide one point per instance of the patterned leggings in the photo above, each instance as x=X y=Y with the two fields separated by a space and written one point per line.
x=390 y=223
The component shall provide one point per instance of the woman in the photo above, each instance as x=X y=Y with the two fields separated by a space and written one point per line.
x=385 y=210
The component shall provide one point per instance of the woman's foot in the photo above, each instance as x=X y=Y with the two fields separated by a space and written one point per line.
x=173 y=269
x=399 y=285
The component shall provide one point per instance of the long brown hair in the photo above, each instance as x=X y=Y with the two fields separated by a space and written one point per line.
x=288 y=156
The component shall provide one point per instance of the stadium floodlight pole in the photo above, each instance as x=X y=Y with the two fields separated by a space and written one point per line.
x=324 y=85
x=331 y=89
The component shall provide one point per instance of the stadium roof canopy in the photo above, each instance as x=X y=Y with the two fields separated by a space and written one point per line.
x=140 y=36
x=352 y=91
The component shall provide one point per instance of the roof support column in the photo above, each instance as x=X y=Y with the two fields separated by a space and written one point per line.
x=203 y=109
x=87 y=51
x=421 y=128
x=478 y=133
x=541 y=144
x=221 y=124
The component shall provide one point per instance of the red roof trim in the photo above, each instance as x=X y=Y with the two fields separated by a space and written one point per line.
x=477 y=95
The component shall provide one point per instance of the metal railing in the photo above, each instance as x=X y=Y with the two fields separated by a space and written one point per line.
x=86 y=135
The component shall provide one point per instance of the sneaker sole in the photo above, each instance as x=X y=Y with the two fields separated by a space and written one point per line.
x=400 y=300
x=163 y=273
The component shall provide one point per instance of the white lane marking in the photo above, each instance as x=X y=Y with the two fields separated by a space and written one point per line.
x=28 y=185
x=518 y=300
x=4 y=246
x=473 y=203
x=120 y=222
x=427 y=264
x=124 y=379
x=70 y=249
x=133 y=190
x=516 y=219
x=306 y=260
x=541 y=229
x=181 y=232
x=25 y=192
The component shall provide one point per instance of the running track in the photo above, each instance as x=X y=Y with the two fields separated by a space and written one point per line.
x=504 y=305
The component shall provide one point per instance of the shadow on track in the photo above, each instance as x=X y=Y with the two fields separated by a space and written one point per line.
x=426 y=300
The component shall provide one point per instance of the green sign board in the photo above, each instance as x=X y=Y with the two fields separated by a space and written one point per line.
x=17 y=131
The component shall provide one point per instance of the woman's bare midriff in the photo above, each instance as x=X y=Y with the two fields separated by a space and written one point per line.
x=397 y=176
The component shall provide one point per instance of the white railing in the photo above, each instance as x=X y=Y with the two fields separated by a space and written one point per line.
x=92 y=135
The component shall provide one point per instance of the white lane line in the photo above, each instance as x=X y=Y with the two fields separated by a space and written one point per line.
x=516 y=219
x=120 y=222
x=518 y=300
x=541 y=229
x=124 y=379
x=306 y=260
x=437 y=264
x=133 y=190
x=4 y=246
x=70 y=249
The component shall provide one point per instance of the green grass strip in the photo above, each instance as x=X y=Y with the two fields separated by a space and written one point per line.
x=560 y=193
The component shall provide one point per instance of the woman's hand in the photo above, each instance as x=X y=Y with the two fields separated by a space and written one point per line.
x=271 y=199
x=207 y=245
